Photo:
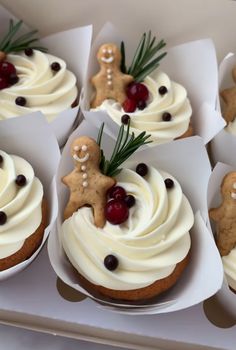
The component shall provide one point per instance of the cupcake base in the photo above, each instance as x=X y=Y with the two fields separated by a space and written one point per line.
x=140 y=294
x=30 y=245
x=187 y=133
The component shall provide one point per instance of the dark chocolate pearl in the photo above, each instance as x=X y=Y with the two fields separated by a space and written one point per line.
x=142 y=169
x=111 y=262
x=125 y=119
x=166 y=116
x=169 y=183
x=141 y=105
x=13 y=79
x=3 y=218
x=129 y=200
x=1 y=159
x=55 y=66
x=162 y=90
x=20 y=180
x=28 y=51
x=21 y=101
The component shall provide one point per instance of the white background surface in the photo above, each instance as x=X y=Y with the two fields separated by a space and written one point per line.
x=175 y=20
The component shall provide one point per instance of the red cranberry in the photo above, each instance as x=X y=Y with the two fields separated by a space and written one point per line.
x=117 y=192
x=111 y=262
x=20 y=101
x=20 y=180
x=3 y=218
x=7 y=68
x=137 y=92
x=129 y=105
x=3 y=83
x=116 y=211
x=129 y=200
x=142 y=169
x=169 y=183
x=125 y=119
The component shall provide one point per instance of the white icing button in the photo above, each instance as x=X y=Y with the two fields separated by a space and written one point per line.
x=234 y=185
x=84 y=148
x=109 y=50
x=109 y=82
x=76 y=148
x=85 y=184
x=109 y=70
x=75 y=156
x=233 y=195
x=83 y=168
x=85 y=176
x=109 y=76
x=104 y=50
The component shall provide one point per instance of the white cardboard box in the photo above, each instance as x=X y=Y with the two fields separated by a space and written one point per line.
x=31 y=299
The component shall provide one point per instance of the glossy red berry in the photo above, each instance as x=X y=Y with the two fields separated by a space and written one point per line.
x=137 y=92
x=3 y=83
x=116 y=211
x=7 y=68
x=129 y=105
x=117 y=192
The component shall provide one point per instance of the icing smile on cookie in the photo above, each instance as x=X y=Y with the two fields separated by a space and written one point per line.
x=81 y=159
x=108 y=57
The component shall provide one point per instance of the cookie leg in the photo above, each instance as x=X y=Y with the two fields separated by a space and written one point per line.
x=99 y=214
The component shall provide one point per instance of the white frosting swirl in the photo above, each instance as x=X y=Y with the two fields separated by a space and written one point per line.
x=149 y=119
x=46 y=91
x=229 y=263
x=148 y=245
x=22 y=205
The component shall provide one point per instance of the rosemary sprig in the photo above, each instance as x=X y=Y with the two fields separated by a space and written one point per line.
x=10 y=44
x=125 y=146
x=144 y=60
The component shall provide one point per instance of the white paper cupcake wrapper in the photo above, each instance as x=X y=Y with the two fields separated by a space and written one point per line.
x=192 y=64
x=32 y=139
x=194 y=286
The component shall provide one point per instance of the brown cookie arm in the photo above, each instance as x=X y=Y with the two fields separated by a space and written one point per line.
x=225 y=241
x=229 y=96
x=216 y=214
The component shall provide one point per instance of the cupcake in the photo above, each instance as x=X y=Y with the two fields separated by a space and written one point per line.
x=126 y=231
x=23 y=212
x=142 y=92
x=32 y=80
x=224 y=217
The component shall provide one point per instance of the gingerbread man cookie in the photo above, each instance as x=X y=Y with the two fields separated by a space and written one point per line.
x=229 y=98
x=109 y=82
x=225 y=215
x=88 y=186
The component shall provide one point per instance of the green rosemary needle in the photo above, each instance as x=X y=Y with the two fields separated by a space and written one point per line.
x=125 y=146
